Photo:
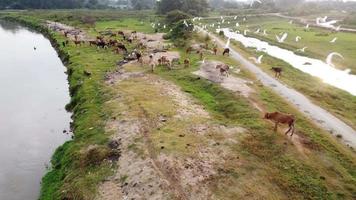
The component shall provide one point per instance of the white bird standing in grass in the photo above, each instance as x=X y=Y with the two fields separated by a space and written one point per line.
x=265 y=32
x=337 y=28
x=302 y=49
x=237 y=24
x=298 y=38
x=307 y=26
x=185 y=23
x=245 y=32
x=283 y=38
x=333 y=40
x=257 y=31
x=257 y=60
x=227 y=43
x=290 y=22
x=235 y=17
x=329 y=59
x=244 y=19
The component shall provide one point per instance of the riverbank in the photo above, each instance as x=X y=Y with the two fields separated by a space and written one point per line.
x=73 y=170
x=174 y=135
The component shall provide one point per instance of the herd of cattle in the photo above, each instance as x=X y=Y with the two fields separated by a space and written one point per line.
x=119 y=46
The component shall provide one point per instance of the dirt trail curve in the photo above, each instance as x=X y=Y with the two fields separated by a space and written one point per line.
x=320 y=116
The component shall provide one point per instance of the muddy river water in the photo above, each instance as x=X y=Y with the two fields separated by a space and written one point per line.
x=33 y=94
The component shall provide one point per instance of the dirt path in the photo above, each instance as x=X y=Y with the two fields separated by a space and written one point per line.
x=320 y=116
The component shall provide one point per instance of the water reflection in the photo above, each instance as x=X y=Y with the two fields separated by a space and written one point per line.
x=10 y=26
x=33 y=93
x=335 y=77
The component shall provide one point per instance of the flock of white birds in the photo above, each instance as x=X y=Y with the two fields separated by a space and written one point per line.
x=281 y=38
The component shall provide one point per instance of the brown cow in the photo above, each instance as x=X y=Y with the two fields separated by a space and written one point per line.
x=76 y=42
x=278 y=71
x=201 y=54
x=186 y=63
x=278 y=117
x=92 y=42
x=224 y=69
x=164 y=61
x=226 y=51
x=215 y=50
x=189 y=50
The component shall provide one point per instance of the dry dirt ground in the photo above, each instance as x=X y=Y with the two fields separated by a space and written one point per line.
x=62 y=28
x=171 y=147
x=208 y=71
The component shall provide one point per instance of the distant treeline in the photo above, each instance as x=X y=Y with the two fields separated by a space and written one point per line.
x=46 y=4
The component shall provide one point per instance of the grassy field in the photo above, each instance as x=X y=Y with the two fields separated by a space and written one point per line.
x=268 y=164
x=317 y=40
x=339 y=102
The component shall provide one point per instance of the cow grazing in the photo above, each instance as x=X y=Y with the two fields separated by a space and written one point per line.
x=215 y=50
x=186 y=63
x=138 y=56
x=278 y=71
x=76 y=42
x=189 y=50
x=122 y=47
x=151 y=62
x=92 y=42
x=224 y=69
x=164 y=61
x=226 y=51
x=278 y=117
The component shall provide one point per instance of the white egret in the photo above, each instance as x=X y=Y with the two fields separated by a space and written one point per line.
x=283 y=38
x=330 y=58
x=257 y=60
x=333 y=40
x=265 y=32
x=302 y=49
x=298 y=38
x=245 y=32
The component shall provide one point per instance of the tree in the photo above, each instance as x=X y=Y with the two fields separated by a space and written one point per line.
x=193 y=7
x=176 y=16
x=142 y=4
x=165 y=6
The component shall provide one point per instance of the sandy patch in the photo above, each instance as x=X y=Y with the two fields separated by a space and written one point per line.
x=208 y=71
x=62 y=28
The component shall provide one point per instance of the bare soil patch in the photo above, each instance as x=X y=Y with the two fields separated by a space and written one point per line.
x=208 y=70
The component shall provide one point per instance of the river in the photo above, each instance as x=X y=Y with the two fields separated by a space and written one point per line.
x=33 y=94
x=341 y=79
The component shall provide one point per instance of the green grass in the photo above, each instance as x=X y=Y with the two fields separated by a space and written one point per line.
x=270 y=160
x=340 y=103
x=295 y=176
x=316 y=39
